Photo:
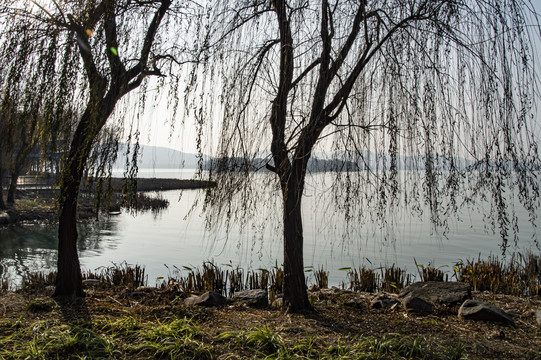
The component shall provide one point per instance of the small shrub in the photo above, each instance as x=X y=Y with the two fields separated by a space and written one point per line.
x=257 y=280
x=39 y=280
x=363 y=280
x=520 y=276
x=429 y=272
x=122 y=275
x=322 y=278
x=394 y=279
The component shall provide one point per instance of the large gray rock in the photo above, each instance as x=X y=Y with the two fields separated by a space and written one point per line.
x=481 y=311
x=209 y=299
x=416 y=304
x=438 y=292
x=257 y=297
x=383 y=302
x=356 y=303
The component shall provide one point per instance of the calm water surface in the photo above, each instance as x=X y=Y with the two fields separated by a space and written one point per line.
x=168 y=239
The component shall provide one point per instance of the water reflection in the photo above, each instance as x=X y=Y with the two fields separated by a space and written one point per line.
x=32 y=248
x=169 y=237
x=25 y=249
x=98 y=236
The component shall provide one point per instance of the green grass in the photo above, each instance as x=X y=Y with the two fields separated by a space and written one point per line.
x=269 y=344
x=46 y=339
x=131 y=337
x=102 y=339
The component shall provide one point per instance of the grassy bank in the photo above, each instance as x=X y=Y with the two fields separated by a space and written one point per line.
x=122 y=318
x=114 y=323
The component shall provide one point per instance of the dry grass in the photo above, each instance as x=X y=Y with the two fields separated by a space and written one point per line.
x=113 y=324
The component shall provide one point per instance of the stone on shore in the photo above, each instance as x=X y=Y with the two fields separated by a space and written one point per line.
x=256 y=297
x=439 y=292
x=481 y=311
x=208 y=299
x=421 y=297
x=91 y=282
x=356 y=303
x=4 y=218
x=418 y=305
x=383 y=302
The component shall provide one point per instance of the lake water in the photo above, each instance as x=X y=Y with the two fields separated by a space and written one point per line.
x=168 y=239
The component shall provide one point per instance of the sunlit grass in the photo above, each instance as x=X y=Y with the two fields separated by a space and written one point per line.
x=269 y=344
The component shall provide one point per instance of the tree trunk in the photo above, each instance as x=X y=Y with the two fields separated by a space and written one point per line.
x=12 y=188
x=295 y=294
x=2 y=204
x=69 y=277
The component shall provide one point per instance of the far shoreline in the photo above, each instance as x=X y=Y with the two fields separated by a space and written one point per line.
x=37 y=203
x=156 y=184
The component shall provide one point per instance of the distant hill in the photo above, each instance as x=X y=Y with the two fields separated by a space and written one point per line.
x=343 y=161
x=158 y=157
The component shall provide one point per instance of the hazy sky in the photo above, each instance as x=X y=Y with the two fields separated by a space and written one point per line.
x=156 y=131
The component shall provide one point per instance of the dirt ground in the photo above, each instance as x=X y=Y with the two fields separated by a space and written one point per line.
x=332 y=322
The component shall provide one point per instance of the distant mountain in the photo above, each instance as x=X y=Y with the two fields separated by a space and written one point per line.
x=343 y=161
x=158 y=157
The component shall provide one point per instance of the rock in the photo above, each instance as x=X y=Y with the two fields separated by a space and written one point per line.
x=538 y=317
x=421 y=297
x=278 y=303
x=257 y=297
x=417 y=305
x=91 y=282
x=356 y=303
x=481 y=311
x=4 y=218
x=207 y=299
x=383 y=302
x=439 y=292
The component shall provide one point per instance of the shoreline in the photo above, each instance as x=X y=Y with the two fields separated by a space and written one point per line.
x=35 y=203
x=125 y=321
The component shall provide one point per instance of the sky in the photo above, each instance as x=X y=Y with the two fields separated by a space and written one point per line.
x=156 y=130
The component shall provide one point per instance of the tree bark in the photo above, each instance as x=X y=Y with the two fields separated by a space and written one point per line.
x=295 y=294
x=2 y=204
x=12 y=188
x=69 y=277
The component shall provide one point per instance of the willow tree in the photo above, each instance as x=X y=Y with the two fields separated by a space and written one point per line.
x=82 y=58
x=442 y=88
